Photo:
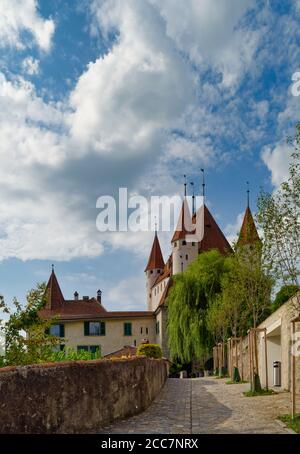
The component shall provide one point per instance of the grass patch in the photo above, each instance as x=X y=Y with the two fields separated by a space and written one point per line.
x=293 y=424
x=263 y=392
x=232 y=382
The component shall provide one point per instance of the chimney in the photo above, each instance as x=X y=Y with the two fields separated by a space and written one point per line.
x=99 y=296
x=86 y=298
x=76 y=296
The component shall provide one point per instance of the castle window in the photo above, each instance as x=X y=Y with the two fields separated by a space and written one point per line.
x=184 y=243
x=141 y=330
x=193 y=243
x=186 y=257
x=151 y=271
x=175 y=244
x=94 y=328
x=128 y=329
x=134 y=342
x=146 y=330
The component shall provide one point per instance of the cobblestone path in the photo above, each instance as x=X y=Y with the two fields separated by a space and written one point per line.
x=206 y=405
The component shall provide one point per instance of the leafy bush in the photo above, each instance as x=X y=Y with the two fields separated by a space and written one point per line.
x=149 y=350
x=69 y=354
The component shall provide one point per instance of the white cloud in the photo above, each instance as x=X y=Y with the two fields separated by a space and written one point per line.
x=277 y=160
x=19 y=16
x=31 y=66
x=209 y=31
x=126 y=98
x=127 y=295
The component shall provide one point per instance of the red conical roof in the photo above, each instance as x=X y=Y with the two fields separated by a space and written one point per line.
x=55 y=298
x=156 y=260
x=184 y=224
x=213 y=237
x=248 y=232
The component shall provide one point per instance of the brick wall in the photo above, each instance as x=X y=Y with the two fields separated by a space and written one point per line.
x=76 y=397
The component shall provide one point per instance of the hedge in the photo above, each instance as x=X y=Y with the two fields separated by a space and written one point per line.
x=149 y=350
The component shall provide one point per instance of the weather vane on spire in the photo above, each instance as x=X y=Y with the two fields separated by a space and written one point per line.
x=248 y=194
x=203 y=183
x=193 y=197
x=52 y=266
x=185 y=185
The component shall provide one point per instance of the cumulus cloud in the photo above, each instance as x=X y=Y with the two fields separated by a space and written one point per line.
x=19 y=17
x=128 y=295
x=277 y=160
x=134 y=112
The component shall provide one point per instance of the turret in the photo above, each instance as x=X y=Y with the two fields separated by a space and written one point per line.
x=154 y=268
x=183 y=252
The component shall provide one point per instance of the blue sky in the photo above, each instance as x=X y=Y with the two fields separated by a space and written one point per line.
x=100 y=94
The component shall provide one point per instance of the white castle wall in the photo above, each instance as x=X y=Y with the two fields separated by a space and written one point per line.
x=183 y=253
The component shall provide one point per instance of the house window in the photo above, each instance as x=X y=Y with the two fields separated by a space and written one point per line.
x=57 y=330
x=141 y=330
x=146 y=330
x=128 y=329
x=157 y=327
x=94 y=328
x=134 y=342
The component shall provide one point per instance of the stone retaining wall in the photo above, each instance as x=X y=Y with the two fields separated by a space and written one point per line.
x=77 y=397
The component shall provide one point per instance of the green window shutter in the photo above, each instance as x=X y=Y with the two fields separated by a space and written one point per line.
x=102 y=329
x=86 y=328
x=61 y=330
x=127 y=329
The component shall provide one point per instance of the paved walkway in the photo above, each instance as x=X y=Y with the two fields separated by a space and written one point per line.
x=206 y=405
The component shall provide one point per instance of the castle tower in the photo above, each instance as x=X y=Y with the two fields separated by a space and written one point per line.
x=155 y=267
x=183 y=252
x=248 y=233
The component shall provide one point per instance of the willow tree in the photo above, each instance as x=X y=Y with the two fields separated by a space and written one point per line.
x=188 y=302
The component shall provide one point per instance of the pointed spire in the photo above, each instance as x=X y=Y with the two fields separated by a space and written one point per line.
x=248 y=233
x=53 y=292
x=184 y=224
x=156 y=260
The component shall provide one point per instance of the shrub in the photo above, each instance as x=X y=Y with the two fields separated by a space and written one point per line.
x=149 y=350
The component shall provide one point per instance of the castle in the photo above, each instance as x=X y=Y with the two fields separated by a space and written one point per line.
x=85 y=324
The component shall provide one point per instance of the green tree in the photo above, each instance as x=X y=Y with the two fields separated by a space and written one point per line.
x=283 y=295
x=279 y=217
x=188 y=301
x=25 y=333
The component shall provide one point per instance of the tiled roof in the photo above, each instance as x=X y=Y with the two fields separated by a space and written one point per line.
x=248 y=232
x=213 y=236
x=184 y=224
x=166 y=272
x=127 y=350
x=86 y=313
x=156 y=260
